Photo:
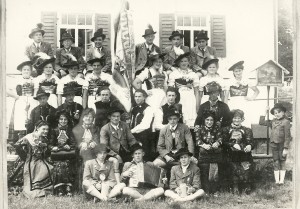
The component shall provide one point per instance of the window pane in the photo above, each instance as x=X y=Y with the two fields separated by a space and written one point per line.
x=196 y=21
x=81 y=20
x=81 y=40
x=187 y=21
x=180 y=21
x=196 y=32
x=89 y=35
x=88 y=20
x=186 y=38
x=203 y=21
x=64 y=18
x=72 y=19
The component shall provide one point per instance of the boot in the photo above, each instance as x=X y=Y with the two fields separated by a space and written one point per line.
x=276 y=175
x=282 y=176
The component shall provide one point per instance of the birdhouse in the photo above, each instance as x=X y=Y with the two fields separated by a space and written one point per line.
x=270 y=74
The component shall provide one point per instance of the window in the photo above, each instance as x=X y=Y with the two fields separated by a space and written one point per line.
x=190 y=26
x=80 y=26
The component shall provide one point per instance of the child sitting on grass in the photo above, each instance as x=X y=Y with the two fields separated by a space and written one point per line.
x=280 y=139
x=133 y=175
x=185 y=179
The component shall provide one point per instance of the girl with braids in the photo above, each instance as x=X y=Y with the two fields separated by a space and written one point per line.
x=34 y=149
x=63 y=154
x=209 y=141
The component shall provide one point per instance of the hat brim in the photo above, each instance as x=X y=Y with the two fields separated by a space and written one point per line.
x=40 y=95
x=20 y=66
x=68 y=93
x=43 y=64
x=236 y=65
x=278 y=107
x=115 y=110
x=177 y=156
x=173 y=114
x=201 y=38
x=209 y=62
x=172 y=36
x=103 y=36
x=101 y=60
x=61 y=40
x=32 y=33
x=148 y=34
x=70 y=65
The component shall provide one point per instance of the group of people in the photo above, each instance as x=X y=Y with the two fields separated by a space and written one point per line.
x=179 y=139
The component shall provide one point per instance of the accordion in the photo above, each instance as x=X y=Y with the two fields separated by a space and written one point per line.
x=63 y=155
x=238 y=91
x=151 y=176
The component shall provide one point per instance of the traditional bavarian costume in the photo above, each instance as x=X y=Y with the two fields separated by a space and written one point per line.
x=186 y=81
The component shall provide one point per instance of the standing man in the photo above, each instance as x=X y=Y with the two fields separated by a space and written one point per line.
x=141 y=122
x=66 y=53
x=143 y=50
x=172 y=52
x=201 y=53
x=38 y=45
x=99 y=51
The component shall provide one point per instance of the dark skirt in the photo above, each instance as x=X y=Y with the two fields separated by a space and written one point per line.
x=210 y=156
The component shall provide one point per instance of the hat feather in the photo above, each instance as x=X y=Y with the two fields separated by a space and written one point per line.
x=150 y=26
x=40 y=25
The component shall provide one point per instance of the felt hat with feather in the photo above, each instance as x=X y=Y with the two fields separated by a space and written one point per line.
x=174 y=34
x=66 y=36
x=38 y=28
x=20 y=66
x=71 y=61
x=41 y=93
x=202 y=35
x=149 y=31
x=98 y=33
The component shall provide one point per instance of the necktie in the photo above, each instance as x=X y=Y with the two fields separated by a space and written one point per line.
x=99 y=50
x=38 y=48
x=202 y=50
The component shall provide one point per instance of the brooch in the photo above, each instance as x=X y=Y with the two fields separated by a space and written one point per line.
x=102 y=176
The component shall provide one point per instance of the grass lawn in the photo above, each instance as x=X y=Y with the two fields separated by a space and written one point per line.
x=267 y=195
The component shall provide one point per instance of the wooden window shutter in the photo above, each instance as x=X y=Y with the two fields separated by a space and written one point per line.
x=104 y=21
x=49 y=20
x=166 y=27
x=218 y=34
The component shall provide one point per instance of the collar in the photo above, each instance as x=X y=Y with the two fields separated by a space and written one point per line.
x=184 y=168
x=170 y=104
x=37 y=44
x=87 y=126
x=115 y=127
x=99 y=48
x=68 y=50
x=148 y=46
x=203 y=48
x=213 y=103
x=173 y=127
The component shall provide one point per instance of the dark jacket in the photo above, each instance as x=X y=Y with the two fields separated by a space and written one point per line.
x=222 y=113
x=197 y=58
x=46 y=113
x=281 y=130
x=166 y=108
x=45 y=47
x=90 y=54
x=170 y=56
x=61 y=59
x=142 y=55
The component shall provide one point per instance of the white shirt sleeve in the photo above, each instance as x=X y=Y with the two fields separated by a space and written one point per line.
x=60 y=87
x=36 y=82
x=172 y=79
x=146 y=121
x=196 y=81
x=143 y=75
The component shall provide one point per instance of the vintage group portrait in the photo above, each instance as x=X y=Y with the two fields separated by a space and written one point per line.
x=149 y=104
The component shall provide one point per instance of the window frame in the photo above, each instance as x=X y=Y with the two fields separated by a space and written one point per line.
x=75 y=26
x=194 y=28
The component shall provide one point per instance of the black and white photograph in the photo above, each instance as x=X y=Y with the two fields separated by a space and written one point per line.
x=149 y=104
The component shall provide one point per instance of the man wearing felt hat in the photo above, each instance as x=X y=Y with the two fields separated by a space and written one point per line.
x=143 y=50
x=66 y=53
x=201 y=52
x=38 y=44
x=99 y=51
x=173 y=137
x=74 y=79
x=220 y=108
x=73 y=108
x=117 y=136
x=172 y=52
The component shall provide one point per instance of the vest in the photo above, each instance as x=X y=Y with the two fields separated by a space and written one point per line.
x=137 y=114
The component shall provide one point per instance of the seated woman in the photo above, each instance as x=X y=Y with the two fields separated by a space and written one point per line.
x=185 y=179
x=133 y=175
x=63 y=155
x=34 y=149
x=209 y=141
x=239 y=141
x=98 y=176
